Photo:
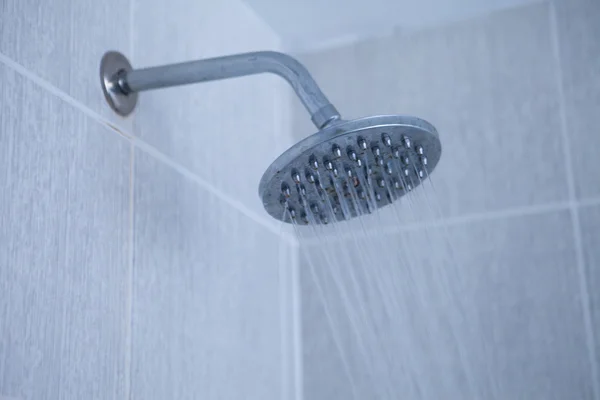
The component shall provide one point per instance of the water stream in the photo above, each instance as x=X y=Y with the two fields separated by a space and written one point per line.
x=388 y=292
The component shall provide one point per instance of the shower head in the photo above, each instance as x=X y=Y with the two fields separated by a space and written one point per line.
x=350 y=168
x=346 y=169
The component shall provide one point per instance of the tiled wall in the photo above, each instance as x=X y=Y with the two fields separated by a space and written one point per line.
x=135 y=259
x=515 y=97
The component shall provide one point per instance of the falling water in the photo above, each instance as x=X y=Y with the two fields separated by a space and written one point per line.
x=386 y=282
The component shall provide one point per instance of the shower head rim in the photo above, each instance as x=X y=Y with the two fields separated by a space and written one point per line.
x=339 y=128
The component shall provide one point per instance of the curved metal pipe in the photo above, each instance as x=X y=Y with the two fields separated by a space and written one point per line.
x=321 y=110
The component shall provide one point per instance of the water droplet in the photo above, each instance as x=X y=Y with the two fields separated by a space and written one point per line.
x=336 y=151
x=351 y=154
x=362 y=144
x=312 y=160
x=386 y=139
x=295 y=176
x=389 y=169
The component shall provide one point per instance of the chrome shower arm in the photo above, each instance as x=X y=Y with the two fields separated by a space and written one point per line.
x=127 y=81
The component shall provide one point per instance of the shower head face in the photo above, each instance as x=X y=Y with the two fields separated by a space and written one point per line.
x=350 y=168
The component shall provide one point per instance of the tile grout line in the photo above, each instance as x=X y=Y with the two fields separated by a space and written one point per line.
x=297 y=325
x=131 y=29
x=139 y=143
x=464 y=219
x=130 y=265
x=583 y=284
x=474 y=218
x=21 y=70
x=284 y=323
x=591 y=202
x=285 y=296
x=293 y=383
x=241 y=207
x=129 y=360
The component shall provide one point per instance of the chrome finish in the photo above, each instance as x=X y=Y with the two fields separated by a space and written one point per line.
x=337 y=153
x=313 y=162
x=113 y=67
x=340 y=145
x=406 y=141
x=384 y=170
x=386 y=139
x=128 y=81
x=296 y=176
x=362 y=144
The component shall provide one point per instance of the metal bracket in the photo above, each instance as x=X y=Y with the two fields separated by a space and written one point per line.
x=121 y=83
x=113 y=67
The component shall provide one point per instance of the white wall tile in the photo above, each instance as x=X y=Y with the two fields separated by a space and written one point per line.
x=226 y=131
x=98 y=26
x=63 y=249
x=62 y=41
x=206 y=295
x=488 y=85
x=37 y=35
x=578 y=31
x=590 y=222
x=509 y=308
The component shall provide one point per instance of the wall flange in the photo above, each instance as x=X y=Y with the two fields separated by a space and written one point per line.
x=113 y=67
